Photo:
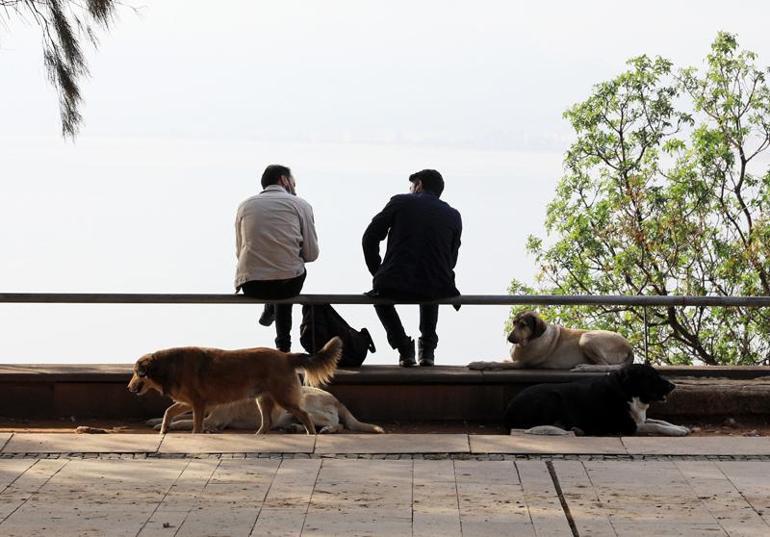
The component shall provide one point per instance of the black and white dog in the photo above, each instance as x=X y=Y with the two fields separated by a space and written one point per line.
x=615 y=404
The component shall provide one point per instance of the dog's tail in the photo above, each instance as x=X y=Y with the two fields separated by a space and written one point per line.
x=319 y=367
x=350 y=422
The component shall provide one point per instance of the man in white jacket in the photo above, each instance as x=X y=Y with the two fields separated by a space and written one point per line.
x=275 y=236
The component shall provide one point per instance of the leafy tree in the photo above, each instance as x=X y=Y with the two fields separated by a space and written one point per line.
x=664 y=193
x=63 y=23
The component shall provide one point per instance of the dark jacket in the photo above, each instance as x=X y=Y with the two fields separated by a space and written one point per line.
x=423 y=240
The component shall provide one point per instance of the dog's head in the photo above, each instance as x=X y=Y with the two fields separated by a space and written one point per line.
x=644 y=382
x=148 y=374
x=526 y=326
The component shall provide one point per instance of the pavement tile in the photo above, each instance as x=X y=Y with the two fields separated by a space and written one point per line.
x=541 y=498
x=643 y=498
x=235 y=521
x=535 y=444
x=237 y=443
x=436 y=511
x=293 y=484
x=697 y=445
x=491 y=499
x=273 y=522
x=392 y=443
x=12 y=469
x=82 y=443
x=486 y=472
x=751 y=479
x=4 y=437
x=434 y=471
x=355 y=471
x=724 y=500
x=363 y=523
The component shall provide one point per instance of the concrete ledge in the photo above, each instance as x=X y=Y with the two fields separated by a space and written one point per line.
x=79 y=443
x=377 y=393
x=395 y=444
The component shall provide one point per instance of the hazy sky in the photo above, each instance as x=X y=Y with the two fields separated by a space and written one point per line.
x=190 y=100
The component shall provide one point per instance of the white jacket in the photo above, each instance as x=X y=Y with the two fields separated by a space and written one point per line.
x=274 y=236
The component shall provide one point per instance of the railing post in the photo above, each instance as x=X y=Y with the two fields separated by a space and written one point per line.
x=646 y=336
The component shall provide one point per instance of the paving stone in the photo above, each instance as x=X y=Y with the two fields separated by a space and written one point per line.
x=353 y=497
x=694 y=445
x=642 y=498
x=394 y=444
x=721 y=497
x=235 y=521
x=542 y=501
x=589 y=513
x=26 y=486
x=237 y=443
x=535 y=444
x=355 y=471
x=274 y=522
x=491 y=499
x=4 y=437
x=436 y=511
x=293 y=485
x=12 y=469
x=752 y=479
x=163 y=497
x=82 y=443
x=183 y=494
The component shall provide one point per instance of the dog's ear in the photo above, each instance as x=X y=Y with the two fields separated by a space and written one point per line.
x=159 y=371
x=538 y=325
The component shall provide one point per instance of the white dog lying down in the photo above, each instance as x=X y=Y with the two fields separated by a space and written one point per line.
x=541 y=345
x=326 y=412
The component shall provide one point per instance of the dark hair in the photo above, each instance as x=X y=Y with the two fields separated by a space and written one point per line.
x=273 y=174
x=431 y=181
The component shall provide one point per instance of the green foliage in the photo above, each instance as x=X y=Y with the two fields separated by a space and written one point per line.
x=663 y=194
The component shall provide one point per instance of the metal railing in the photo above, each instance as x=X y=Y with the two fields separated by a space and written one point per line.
x=464 y=300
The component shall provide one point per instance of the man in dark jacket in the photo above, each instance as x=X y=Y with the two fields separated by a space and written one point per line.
x=423 y=240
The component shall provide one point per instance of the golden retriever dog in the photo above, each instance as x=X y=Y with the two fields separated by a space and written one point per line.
x=328 y=414
x=541 y=345
x=197 y=378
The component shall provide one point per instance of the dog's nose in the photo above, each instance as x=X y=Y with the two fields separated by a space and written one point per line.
x=512 y=338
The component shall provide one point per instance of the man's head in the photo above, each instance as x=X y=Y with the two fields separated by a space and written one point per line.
x=427 y=181
x=275 y=174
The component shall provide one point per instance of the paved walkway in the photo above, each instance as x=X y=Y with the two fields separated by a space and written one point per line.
x=380 y=485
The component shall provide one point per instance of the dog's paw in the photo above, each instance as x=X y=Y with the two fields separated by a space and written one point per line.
x=583 y=367
x=484 y=366
x=549 y=430
x=378 y=429
x=680 y=430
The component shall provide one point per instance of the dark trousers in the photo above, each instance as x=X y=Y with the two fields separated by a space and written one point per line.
x=277 y=289
x=395 y=330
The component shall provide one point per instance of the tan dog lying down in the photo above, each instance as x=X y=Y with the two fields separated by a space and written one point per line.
x=326 y=412
x=197 y=378
x=541 y=345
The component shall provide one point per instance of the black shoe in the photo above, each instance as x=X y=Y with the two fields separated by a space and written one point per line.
x=406 y=354
x=268 y=315
x=425 y=354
